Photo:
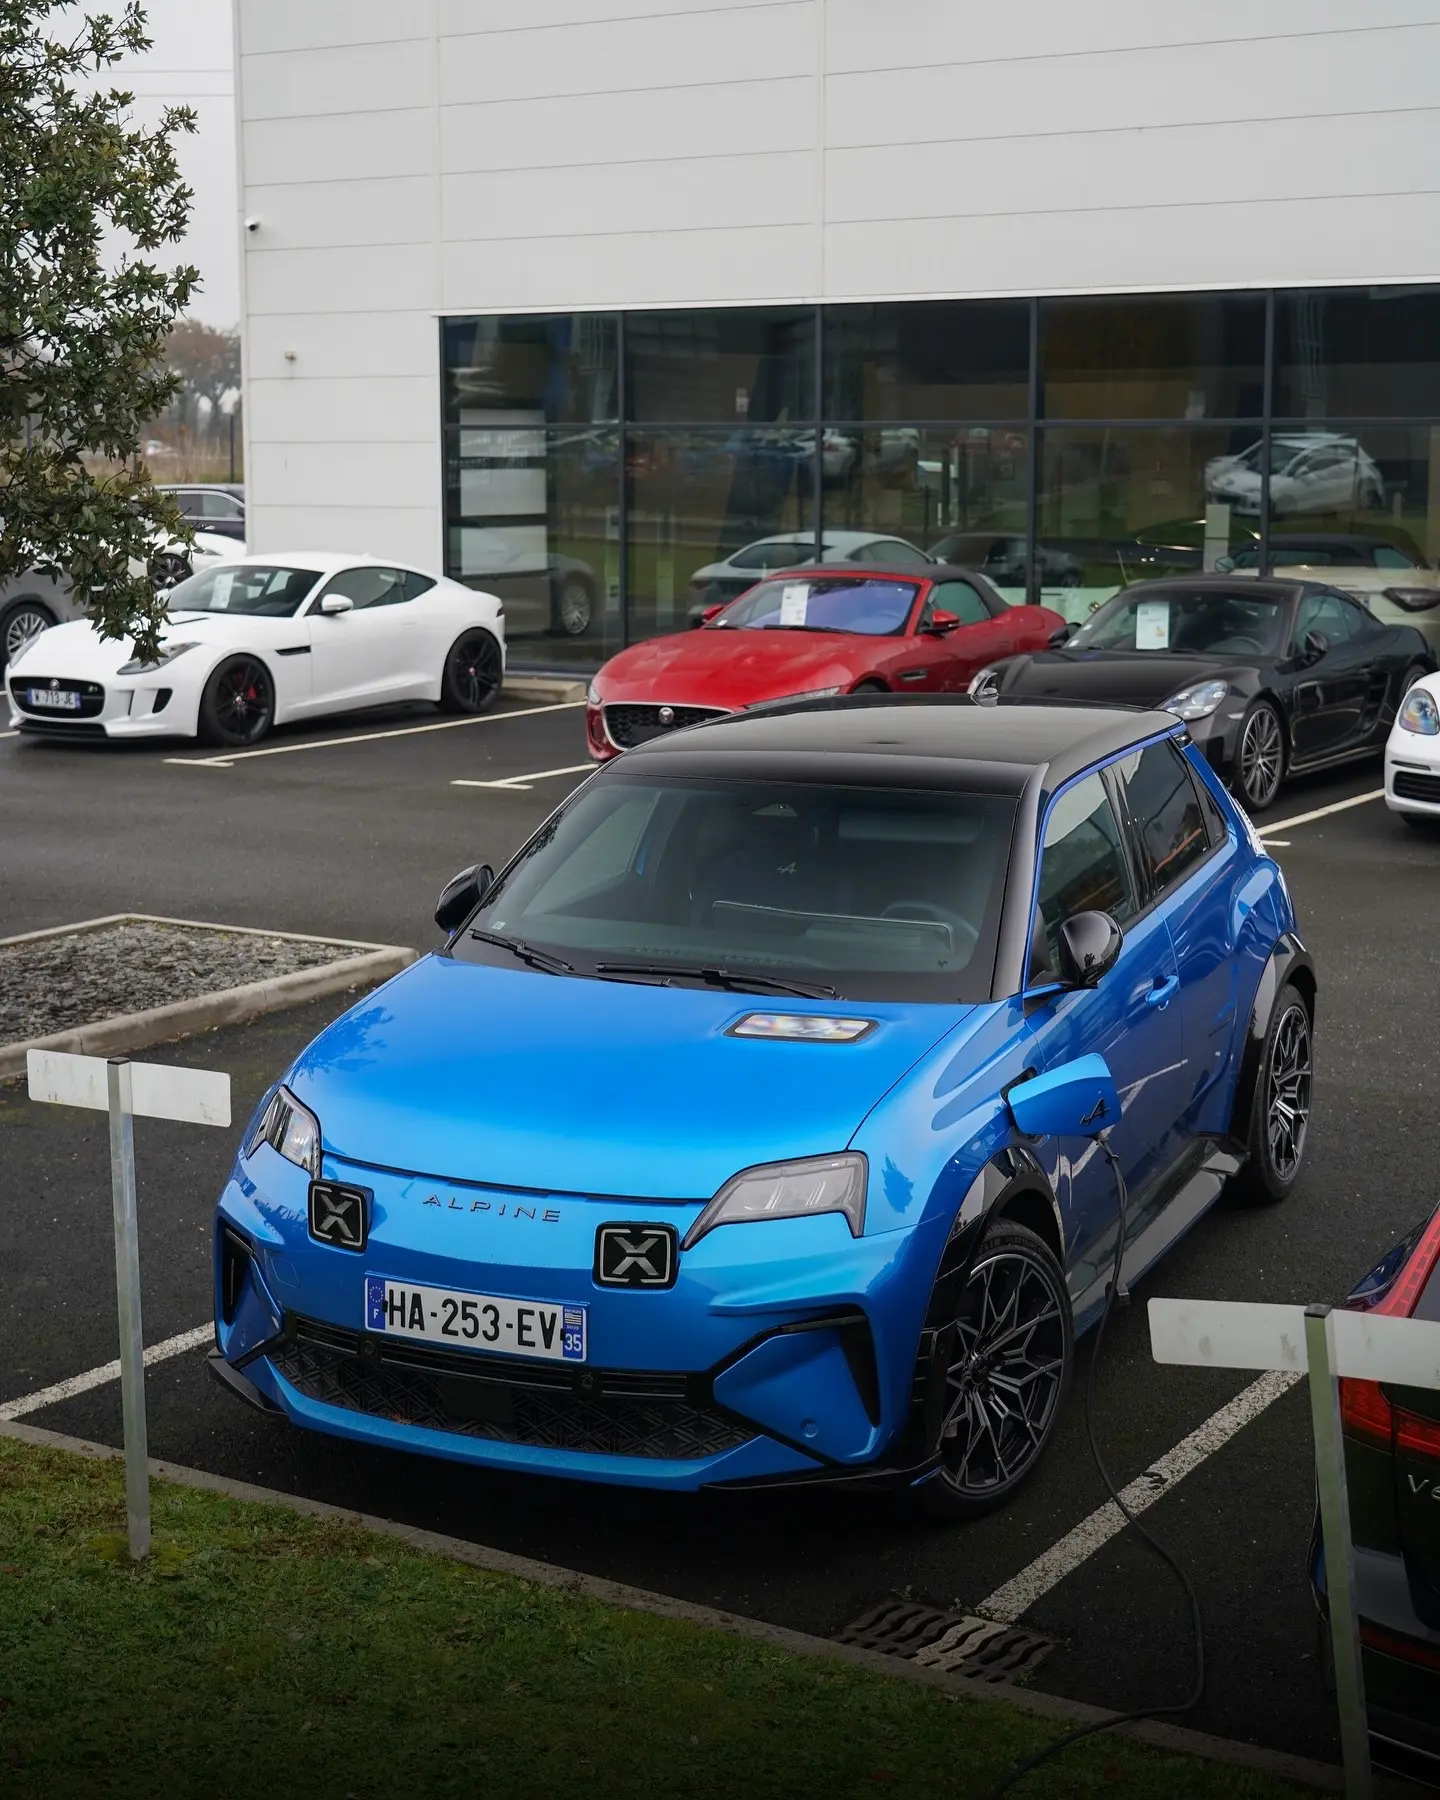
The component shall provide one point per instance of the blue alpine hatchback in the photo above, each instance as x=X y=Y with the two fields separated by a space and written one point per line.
x=688 y=1160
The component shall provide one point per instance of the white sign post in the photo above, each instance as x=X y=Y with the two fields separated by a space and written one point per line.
x=1326 y=1343
x=122 y=1089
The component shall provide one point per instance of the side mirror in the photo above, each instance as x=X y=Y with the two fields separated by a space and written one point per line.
x=1315 y=645
x=1077 y=1099
x=1089 y=945
x=332 y=605
x=1062 y=634
x=461 y=894
x=710 y=612
x=941 y=622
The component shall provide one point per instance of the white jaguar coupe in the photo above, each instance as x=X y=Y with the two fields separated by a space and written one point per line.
x=266 y=640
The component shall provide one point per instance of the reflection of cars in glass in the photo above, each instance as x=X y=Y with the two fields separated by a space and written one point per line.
x=797 y=940
x=718 y=582
x=1310 y=472
x=261 y=641
x=806 y=631
x=1389 y=575
x=1392 y=1468
x=1272 y=677
x=1002 y=558
x=561 y=588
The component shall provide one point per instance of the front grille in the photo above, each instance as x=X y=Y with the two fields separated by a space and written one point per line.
x=92 y=697
x=1409 y=785
x=630 y=725
x=621 y=1412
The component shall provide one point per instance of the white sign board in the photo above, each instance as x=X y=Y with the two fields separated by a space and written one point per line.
x=794 y=602
x=1221 y=1334
x=157 y=1090
x=1152 y=625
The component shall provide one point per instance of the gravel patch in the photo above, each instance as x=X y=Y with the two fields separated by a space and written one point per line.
x=58 y=983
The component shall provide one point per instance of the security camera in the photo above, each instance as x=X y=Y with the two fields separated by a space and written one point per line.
x=252 y=224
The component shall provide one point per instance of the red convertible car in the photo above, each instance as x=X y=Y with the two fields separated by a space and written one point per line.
x=808 y=633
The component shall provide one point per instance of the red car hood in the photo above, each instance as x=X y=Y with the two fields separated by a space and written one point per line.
x=731 y=669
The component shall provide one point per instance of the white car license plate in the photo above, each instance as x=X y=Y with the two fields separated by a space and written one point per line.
x=57 y=699
x=475 y=1321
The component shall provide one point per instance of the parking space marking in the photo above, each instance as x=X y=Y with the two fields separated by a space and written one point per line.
x=1015 y=1598
x=523 y=783
x=4 y=734
x=107 y=1372
x=229 y=759
x=1320 y=812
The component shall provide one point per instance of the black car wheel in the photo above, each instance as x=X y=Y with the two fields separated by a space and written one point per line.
x=1280 y=1106
x=168 y=570
x=1259 y=757
x=19 y=624
x=473 y=673
x=238 y=705
x=574 y=606
x=1010 y=1368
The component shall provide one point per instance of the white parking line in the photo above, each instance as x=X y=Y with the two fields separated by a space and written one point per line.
x=4 y=734
x=523 y=783
x=230 y=758
x=107 y=1372
x=1320 y=812
x=1020 y=1593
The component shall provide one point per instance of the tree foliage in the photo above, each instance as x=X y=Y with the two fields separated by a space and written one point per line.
x=207 y=361
x=86 y=199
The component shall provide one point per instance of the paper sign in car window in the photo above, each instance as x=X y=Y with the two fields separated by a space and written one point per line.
x=1152 y=625
x=794 y=602
x=220 y=593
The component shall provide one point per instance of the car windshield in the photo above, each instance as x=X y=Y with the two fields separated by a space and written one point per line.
x=869 y=606
x=1187 y=622
x=266 y=590
x=876 y=893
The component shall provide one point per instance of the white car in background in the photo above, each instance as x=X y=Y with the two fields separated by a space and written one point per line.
x=263 y=641
x=1310 y=472
x=1412 y=755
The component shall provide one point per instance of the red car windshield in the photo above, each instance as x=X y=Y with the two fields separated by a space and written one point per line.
x=867 y=605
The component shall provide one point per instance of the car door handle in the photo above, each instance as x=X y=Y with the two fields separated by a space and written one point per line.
x=913 y=674
x=1163 y=991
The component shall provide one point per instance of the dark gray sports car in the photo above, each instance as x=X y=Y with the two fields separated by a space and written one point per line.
x=1272 y=677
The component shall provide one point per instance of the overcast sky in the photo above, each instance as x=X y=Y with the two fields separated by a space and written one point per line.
x=191 y=65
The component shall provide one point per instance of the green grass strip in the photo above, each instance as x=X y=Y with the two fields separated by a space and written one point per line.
x=263 y=1653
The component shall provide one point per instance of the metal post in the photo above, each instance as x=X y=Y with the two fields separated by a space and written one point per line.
x=232 y=443
x=127 y=1285
x=1339 y=1553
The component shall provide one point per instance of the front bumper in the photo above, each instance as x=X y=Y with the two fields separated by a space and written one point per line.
x=785 y=1350
x=1412 y=773
x=121 y=707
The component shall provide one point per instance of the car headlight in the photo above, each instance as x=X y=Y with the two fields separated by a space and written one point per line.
x=592 y=695
x=1420 y=713
x=1414 y=599
x=290 y=1128
x=167 y=655
x=985 y=686
x=1197 y=701
x=789 y=1190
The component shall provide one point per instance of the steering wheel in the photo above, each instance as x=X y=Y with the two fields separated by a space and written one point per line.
x=927 y=911
x=1244 y=643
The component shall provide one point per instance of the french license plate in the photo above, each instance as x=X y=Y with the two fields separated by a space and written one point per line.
x=57 y=699
x=475 y=1321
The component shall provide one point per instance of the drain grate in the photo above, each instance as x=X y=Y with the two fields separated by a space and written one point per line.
x=954 y=1643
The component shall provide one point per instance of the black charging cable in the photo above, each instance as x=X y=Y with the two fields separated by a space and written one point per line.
x=1113 y=1291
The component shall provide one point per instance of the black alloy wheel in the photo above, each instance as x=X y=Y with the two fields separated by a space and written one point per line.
x=1260 y=757
x=1280 y=1108
x=1010 y=1365
x=24 y=621
x=473 y=673
x=238 y=705
x=168 y=570
x=574 y=606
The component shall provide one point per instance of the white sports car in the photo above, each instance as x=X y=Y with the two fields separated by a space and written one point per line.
x=264 y=640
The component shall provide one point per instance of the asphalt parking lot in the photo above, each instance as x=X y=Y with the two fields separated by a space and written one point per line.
x=350 y=832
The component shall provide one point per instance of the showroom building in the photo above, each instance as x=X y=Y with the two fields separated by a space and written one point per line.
x=583 y=302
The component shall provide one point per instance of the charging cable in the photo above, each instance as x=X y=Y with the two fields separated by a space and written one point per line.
x=1113 y=1291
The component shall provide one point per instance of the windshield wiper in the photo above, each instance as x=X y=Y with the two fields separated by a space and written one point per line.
x=722 y=978
x=527 y=953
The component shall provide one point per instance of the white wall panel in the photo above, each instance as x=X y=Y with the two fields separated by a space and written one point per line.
x=317 y=214
x=410 y=534
x=670 y=196
x=376 y=278
x=340 y=147
x=267 y=25
x=299 y=410
x=506 y=15
x=341 y=473
x=730 y=43
x=329 y=344
x=353 y=79
x=651 y=126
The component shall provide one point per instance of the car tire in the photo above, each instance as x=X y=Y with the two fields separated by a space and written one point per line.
x=1258 y=768
x=21 y=621
x=474 y=673
x=1006 y=1440
x=238 y=705
x=1279 y=1105
x=1416 y=672
x=574 y=606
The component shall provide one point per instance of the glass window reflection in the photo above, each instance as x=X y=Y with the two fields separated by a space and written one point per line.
x=1153 y=356
x=560 y=367
x=1356 y=351
x=927 y=359
x=742 y=365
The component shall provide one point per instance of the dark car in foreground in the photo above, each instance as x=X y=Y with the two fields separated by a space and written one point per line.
x=1392 y=1466
x=1273 y=677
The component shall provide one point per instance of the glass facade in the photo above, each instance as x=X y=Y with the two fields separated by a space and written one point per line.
x=610 y=475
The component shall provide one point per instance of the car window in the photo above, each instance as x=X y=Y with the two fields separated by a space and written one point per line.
x=1326 y=613
x=869 y=605
x=1205 y=621
x=896 y=550
x=261 y=590
x=1292 y=556
x=959 y=598
x=368 y=587
x=218 y=506
x=1388 y=557
x=415 y=584
x=777 y=555
x=1165 y=812
x=1082 y=867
